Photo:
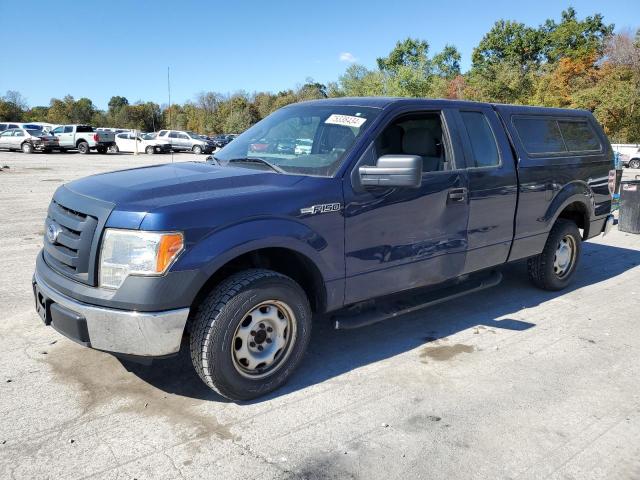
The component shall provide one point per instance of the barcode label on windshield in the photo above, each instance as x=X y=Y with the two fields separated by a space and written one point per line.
x=345 y=120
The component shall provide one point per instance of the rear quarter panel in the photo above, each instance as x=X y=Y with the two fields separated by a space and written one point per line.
x=549 y=183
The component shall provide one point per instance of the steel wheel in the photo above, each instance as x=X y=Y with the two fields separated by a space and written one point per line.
x=565 y=256
x=264 y=339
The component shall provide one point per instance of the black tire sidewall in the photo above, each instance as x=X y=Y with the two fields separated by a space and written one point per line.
x=634 y=164
x=26 y=148
x=83 y=147
x=218 y=355
x=197 y=150
x=150 y=150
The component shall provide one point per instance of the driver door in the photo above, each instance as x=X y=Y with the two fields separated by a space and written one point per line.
x=398 y=238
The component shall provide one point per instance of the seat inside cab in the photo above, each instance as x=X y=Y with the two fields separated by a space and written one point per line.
x=416 y=134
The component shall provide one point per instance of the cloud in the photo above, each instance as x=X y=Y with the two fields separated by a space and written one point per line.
x=347 y=57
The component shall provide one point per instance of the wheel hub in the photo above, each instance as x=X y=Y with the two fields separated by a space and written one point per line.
x=264 y=338
x=564 y=256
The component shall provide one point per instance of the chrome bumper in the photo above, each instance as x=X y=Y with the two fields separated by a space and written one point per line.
x=150 y=334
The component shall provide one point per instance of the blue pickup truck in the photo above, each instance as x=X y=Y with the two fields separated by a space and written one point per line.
x=393 y=204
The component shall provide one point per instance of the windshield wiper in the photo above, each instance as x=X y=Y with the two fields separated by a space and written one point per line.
x=213 y=159
x=259 y=160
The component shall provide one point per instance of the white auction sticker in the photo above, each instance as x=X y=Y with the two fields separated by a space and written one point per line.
x=345 y=120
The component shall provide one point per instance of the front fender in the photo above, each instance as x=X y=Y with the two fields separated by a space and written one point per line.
x=222 y=245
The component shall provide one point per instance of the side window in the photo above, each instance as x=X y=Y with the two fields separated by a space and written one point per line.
x=57 y=131
x=68 y=129
x=183 y=136
x=418 y=134
x=162 y=133
x=579 y=136
x=13 y=125
x=6 y=133
x=173 y=135
x=540 y=135
x=482 y=140
x=18 y=133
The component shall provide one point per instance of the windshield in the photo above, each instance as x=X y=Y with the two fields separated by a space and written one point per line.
x=302 y=139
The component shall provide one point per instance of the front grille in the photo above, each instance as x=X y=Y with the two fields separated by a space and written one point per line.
x=70 y=251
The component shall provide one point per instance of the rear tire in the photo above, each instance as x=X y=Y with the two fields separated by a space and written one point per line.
x=150 y=150
x=555 y=267
x=114 y=149
x=250 y=333
x=102 y=150
x=27 y=147
x=197 y=149
x=83 y=148
x=635 y=163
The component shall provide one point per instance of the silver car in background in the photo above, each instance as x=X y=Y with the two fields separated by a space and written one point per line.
x=28 y=140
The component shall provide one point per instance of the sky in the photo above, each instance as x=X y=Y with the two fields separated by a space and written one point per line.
x=100 y=49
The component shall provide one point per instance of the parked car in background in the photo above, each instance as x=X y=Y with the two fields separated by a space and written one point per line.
x=303 y=146
x=84 y=138
x=632 y=160
x=147 y=143
x=223 y=139
x=28 y=140
x=182 y=141
x=31 y=126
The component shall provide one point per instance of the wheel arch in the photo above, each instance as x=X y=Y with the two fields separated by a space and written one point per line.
x=284 y=260
x=574 y=202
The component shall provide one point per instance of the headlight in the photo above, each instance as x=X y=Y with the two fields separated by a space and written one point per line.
x=132 y=252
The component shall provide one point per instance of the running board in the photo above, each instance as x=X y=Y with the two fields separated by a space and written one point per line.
x=402 y=304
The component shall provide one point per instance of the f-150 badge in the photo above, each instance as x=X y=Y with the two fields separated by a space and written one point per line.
x=324 y=208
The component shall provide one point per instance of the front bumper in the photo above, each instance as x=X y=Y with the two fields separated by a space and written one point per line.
x=148 y=334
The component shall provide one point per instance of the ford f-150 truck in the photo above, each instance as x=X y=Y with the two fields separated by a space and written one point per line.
x=84 y=138
x=398 y=204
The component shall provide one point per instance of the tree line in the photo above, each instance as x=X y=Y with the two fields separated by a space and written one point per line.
x=570 y=63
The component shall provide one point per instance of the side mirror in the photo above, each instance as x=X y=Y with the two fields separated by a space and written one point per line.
x=393 y=171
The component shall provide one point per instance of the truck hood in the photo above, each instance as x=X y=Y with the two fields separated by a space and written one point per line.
x=143 y=190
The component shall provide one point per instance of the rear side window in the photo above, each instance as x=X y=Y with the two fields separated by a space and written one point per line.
x=84 y=129
x=579 y=136
x=68 y=129
x=540 y=135
x=483 y=142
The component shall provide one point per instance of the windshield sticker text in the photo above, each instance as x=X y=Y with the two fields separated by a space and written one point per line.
x=345 y=120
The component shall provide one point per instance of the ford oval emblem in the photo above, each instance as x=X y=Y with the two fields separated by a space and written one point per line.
x=53 y=230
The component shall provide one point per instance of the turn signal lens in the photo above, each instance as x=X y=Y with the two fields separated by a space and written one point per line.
x=170 y=246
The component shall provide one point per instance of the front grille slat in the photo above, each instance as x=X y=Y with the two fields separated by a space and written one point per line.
x=62 y=254
x=69 y=241
x=70 y=252
x=70 y=221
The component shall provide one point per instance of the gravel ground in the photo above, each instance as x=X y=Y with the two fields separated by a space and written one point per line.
x=512 y=382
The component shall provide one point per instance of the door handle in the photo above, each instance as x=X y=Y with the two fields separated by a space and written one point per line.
x=458 y=194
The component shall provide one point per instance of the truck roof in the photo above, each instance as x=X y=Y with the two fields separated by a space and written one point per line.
x=384 y=102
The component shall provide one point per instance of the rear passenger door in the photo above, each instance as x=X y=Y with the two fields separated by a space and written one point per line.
x=66 y=138
x=492 y=187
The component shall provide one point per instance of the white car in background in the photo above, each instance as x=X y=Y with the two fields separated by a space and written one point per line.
x=147 y=143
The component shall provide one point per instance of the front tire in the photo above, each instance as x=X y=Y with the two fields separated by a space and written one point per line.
x=27 y=147
x=197 y=149
x=250 y=333
x=83 y=148
x=102 y=150
x=555 y=267
x=150 y=150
